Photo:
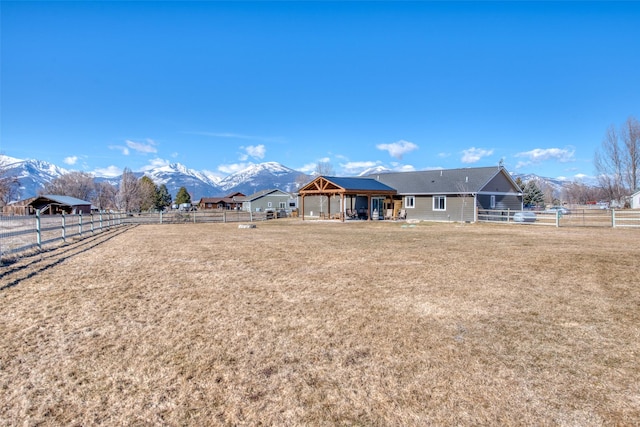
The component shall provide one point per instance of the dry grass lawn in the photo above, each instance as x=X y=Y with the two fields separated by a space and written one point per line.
x=320 y=323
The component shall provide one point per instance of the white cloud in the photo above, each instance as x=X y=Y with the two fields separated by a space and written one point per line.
x=155 y=163
x=71 y=160
x=257 y=151
x=122 y=149
x=398 y=149
x=233 y=168
x=308 y=168
x=142 y=147
x=538 y=155
x=473 y=154
x=108 y=172
x=354 y=168
x=398 y=167
x=239 y=136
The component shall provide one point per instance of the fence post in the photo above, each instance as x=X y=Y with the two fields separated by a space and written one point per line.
x=250 y=215
x=613 y=218
x=558 y=218
x=160 y=217
x=100 y=220
x=80 y=224
x=38 y=230
x=91 y=222
x=64 y=228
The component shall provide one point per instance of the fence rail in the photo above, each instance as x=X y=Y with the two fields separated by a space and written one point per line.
x=36 y=232
x=577 y=218
x=21 y=234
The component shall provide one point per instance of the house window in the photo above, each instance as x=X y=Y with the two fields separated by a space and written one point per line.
x=439 y=203
x=493 y=202
x=410 y=202
x=282 y=205
x=269 y=204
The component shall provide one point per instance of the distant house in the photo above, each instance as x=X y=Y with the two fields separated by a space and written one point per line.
x=635 y=200
x=49 y=204
x=436 y=195
x=228 y=202
x=269 y=200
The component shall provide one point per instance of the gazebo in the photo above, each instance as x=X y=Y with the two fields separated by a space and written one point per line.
x=373 y=190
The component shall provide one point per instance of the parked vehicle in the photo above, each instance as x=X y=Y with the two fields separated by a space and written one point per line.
x=561 y=209
x=525 y=216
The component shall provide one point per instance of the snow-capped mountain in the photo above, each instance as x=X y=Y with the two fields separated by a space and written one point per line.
x=374 y=170
x=31 y=174
x=261 y=176
x=34 y=174
x=176 y=175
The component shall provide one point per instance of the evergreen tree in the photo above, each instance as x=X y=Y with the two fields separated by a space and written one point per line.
x=148 y=191
x=163 y=198
x=183 y=196
x=532 y=195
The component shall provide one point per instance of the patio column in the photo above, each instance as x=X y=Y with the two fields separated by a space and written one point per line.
x=302 y=206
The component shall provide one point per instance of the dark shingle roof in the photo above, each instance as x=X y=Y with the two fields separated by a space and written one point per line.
x=445 y=181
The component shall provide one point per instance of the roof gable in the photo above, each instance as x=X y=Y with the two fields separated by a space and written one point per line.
x=342 y=184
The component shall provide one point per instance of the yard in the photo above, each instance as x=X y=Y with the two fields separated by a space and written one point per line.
x=322 y=323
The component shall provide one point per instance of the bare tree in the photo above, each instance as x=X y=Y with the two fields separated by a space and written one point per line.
x=301 y=180
x=631 y=141
x=128 y=197
x=617 y=162
x=9 y=186
x=74 y=184
x=105 y=196
x=324 y=168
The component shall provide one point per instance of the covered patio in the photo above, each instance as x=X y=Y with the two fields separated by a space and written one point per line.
x=352 y=193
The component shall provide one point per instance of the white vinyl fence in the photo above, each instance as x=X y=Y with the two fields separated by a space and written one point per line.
x=36 y=232
x=577 y=218
x=22 y=234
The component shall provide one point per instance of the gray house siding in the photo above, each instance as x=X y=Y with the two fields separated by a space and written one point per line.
x=457 y=208
x=274 y=201
x=503 y=201
x=499 y=184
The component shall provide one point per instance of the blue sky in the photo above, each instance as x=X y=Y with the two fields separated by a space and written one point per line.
x=100 y=86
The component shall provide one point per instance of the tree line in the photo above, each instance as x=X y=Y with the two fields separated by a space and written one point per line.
x=131 y=195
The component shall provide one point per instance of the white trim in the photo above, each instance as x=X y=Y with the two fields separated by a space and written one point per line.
x=406 y=202
x=437 y=197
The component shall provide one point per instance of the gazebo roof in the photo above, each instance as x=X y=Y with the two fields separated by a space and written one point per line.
x=341 y=185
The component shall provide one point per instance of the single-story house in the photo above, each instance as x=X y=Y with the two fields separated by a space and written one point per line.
x=229 y=202
x=435 y=195
x=49 y=204
x=635 y=200
x=270 y=200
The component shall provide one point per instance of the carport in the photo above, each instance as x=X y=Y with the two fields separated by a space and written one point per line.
x=330 y=186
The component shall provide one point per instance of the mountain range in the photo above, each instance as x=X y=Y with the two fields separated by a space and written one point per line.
x=33 y=175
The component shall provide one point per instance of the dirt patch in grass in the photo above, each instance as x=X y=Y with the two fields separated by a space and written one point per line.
x=325 y=323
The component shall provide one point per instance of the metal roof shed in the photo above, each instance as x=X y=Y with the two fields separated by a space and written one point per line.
x=56 y=204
